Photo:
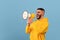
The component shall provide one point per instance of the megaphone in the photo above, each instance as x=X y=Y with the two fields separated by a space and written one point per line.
x=27 y=15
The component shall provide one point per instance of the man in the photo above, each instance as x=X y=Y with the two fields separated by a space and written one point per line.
x=38 y=28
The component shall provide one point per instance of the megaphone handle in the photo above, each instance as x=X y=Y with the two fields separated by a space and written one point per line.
x=30 y=20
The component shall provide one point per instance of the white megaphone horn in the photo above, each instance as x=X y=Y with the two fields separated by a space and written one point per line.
x=27 y=15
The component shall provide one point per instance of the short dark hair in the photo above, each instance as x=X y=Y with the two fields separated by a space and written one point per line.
x=41 y=9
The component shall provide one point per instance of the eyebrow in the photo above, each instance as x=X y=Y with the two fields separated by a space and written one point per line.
x=38 y=12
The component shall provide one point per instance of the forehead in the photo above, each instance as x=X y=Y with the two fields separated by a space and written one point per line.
x=40 y=11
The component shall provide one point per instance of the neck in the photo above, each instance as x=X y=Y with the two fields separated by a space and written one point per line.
x=41 y=17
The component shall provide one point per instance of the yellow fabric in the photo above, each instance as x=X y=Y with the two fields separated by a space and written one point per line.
x=38 y=29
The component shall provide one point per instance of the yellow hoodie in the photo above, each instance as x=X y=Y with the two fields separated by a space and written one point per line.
x=38 y=29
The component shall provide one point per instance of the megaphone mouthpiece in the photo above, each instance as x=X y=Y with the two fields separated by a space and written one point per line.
x=32 y=15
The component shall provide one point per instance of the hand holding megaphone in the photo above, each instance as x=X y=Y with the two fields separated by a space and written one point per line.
x=30 y=19
x=28 y=16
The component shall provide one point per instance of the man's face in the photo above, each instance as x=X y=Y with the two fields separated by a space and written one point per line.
x=39 y=14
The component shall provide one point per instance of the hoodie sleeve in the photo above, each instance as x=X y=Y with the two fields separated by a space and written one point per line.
x=28 y=29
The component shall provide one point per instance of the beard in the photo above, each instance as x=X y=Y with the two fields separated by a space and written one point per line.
x=38 y=16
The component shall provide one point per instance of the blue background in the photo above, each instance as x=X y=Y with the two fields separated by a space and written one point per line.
x=12 y=25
